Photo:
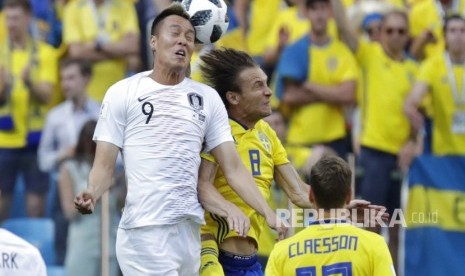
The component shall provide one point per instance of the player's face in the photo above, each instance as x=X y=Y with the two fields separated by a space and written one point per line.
x=318 y=14
x=394 y=33
x=73 y=82
x=17 y=21
x=255 y=93
x=174 y=42
x=455 y=35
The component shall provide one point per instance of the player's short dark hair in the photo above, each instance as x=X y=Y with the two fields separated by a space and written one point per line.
x=173 y=9
x=309 y=4
x=330 y=181
x=85 y=67
x=221 y=69
x=449 y=19
x=24 y=4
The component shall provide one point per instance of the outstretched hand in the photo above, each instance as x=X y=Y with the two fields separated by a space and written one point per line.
x=238 y=221
x=276 y=224
x=84 y=202
x=360 y=207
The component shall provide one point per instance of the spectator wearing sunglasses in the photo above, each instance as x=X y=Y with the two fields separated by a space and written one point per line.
x=387 y=147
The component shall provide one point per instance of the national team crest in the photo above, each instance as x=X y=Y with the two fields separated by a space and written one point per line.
x=332 y=63
x=195 y=100
x=264 y=140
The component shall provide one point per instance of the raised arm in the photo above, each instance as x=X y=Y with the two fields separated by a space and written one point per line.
x=346 y=33
x=214 y=202
x=242 y=182
x=100 y=177
x=289 y=180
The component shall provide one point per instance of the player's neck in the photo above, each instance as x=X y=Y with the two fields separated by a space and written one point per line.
x=167 y=77
x=319 y=39
x=457 y=57
x=19 y=41
x=241 y=118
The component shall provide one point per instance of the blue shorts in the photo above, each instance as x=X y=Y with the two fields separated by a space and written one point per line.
x=235 y=265
x=14 y=162
x=381 y=179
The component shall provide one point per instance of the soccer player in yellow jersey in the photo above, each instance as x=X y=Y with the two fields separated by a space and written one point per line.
x=386 y=145
x=317 y=76
x=443 y=76
x=29 y=74
x=105 y=32
x=331 y=245
x=243 y=88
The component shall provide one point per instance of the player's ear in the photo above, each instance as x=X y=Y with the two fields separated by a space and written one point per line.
x=153 y=42
x=232 y=97
x=349 y=197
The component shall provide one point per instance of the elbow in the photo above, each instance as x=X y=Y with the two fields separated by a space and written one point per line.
x=74 y=51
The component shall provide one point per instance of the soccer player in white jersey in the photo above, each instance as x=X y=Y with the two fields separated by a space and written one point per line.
x=160 y=121
x=18 y=256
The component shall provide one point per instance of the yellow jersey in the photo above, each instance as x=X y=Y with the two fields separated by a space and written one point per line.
x=331 y=248
x=262 y=16
x=427 y=15
x=2 y=27
x=386 y=84
x=331 y=64
x=447 y=140
x=297 y=25
x=26 y=117
x=80 y=25
x=260 y=150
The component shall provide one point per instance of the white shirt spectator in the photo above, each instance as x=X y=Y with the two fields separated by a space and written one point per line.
x=18 y=257
x=62 y=127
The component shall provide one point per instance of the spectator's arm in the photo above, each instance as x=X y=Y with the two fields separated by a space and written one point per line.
x=417 y=49
x=419 y=91
x=66 y=192
x=344 y=28
x=87 y=51
x=289 y=180
x=129 y=45
x=241 y=10
x=343 y=93
x=295 y=95
x=42 y=91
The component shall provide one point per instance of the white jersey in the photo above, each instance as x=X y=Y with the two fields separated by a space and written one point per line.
x=161 y=131
x=18 y=257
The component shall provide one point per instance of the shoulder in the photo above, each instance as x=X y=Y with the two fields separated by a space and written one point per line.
x=10 y=240
x=203 y=90
x=46 y=48
x=299 y=45
x=122 y=86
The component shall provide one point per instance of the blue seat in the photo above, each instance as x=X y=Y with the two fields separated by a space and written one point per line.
x=55 y=270
x=40 y=232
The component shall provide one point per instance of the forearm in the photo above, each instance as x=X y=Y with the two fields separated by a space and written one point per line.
x=417 y=49
x=242 y=182
x=297 y=96
x=343 y=93
x=212 y=201
x=100 y=181
x=289 y=180
x=129 y=45
x=41 y=92
x=241 y=8
x=87 y=51
x=345 y=31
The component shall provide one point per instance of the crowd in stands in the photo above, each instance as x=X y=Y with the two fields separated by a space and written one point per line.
x=379 y=80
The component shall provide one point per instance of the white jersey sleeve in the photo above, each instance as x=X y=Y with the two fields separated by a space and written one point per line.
x=219 y=130
x=112 y=119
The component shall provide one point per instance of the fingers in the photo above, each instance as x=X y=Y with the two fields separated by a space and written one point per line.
x=240 y=224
